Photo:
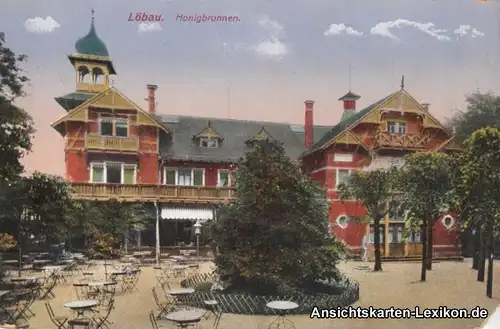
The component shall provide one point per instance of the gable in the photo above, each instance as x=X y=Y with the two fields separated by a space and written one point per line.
x=111 y=99
x=450 y=145
x=209 y=132
x=346 y=138
x=261 y=135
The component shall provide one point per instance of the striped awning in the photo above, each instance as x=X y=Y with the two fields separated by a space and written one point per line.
x=384 y=162
x=178 y=213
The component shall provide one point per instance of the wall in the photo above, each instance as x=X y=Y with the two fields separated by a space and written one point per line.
x=353 y=233
x=76 y=166
x=211 y=169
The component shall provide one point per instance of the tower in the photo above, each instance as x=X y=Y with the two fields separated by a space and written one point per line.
x=91 y=62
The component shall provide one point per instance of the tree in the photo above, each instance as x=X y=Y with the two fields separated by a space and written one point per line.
x=483 y=110
x=425 y=184
x=375 y=190
x=16 y=125
x=273 y=238
x=477 y=191
x=104 y=223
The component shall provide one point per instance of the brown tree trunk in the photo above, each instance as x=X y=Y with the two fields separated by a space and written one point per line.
x=475 y=257
x=482 y=257
x=491 y=255
x=430 y=244
x=376 y=246
x=424 y=251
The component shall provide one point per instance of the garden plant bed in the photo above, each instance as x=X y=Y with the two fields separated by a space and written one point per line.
x=239 y=303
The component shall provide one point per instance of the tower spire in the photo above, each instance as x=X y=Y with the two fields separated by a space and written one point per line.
x=93 y=14
x=402 y=82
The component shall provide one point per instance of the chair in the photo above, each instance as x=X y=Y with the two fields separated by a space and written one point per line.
x=164 y=306
x=212 y=307
x=59 y=321
x=81 y=290
x=152 y=319
x=47 y=287
x=102 y=318
x=80 y=322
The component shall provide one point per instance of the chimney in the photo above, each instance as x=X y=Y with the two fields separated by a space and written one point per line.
x=309 y=125
x=151 y=98
x=426 y=106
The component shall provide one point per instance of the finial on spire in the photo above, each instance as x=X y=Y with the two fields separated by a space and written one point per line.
x=402 y=82
x=93 y=13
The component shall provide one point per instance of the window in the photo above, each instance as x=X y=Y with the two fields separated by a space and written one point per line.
x=113 y=173
x=184 y=176
x=397 y=213
x=448 y=221
x=209 y=143
x=223 y=178
x=113 y=127
x=106 y=127
x=121 y=127
x=342 y=221
x=414 y=237
x=372 y=234
x=396 y=127
x=342 y=177
x=342 y=157
x=395 y=234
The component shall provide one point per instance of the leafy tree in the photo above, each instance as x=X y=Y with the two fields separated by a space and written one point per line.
x=273 y=238
x=102 y=222
x=483 y=110
x=375 y=190
x=425 y=184
x=478 y=192
x=16 y=125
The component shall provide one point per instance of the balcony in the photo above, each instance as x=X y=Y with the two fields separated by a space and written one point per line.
x=151 y=193
x=112 y=143
x=400 y=141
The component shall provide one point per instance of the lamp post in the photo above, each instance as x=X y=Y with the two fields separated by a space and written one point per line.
x=197 y=232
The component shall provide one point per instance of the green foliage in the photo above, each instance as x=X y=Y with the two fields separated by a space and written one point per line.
x=483 y=110
x=376 y=191
x=425 y=185
x=108 y=221
x=478 y=179
x=37 y=206
x=274 y=237
x=16 y=125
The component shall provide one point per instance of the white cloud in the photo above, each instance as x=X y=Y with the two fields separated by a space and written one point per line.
x=465 y=29
x=149 y=27
x=41 y=25
x=384 y=29
x=274 y=47
x=476 y=33
x=337 y=29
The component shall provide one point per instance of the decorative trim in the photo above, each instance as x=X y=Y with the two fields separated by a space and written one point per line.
x=451 y=224
x=339 y=218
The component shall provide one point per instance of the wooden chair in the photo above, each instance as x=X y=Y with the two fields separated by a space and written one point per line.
x=164 y=306
x=59 y=321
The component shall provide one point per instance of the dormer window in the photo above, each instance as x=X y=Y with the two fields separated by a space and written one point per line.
x=209 y=142
x=260 y=136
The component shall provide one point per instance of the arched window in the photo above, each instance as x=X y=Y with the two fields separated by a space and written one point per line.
x=97 y=75
x=83 y=74
x=342 y=221
x=448 y=221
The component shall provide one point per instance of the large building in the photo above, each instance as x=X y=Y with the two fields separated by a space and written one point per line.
x=116 y=149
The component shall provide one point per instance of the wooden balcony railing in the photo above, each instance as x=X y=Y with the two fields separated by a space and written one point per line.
x=112 y=143
x=400 y=141
x=143 y=192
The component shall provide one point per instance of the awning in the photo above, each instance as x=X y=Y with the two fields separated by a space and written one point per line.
x=384 y=162
x=178 y=213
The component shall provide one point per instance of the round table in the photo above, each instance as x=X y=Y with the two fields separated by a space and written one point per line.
x=281 y=307
x=185 y=318
x=80 y=306
x=177 y=294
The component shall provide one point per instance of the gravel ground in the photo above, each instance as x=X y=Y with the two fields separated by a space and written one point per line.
x=449 y=284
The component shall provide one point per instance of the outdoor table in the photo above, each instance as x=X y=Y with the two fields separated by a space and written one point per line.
x=11 y=261
x=185 y=318
x=177 y=294
x=281 y=307
x=113 y=275
x=80 y=306
x=25 y=279
x=41 y=261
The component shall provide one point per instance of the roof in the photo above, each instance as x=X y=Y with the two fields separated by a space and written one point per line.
x=182 y=146
x=91 y=44
x=350 y=96
x=72 y=100
x=342 y=125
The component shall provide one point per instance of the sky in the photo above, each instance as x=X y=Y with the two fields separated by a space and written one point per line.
x=263 y=66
